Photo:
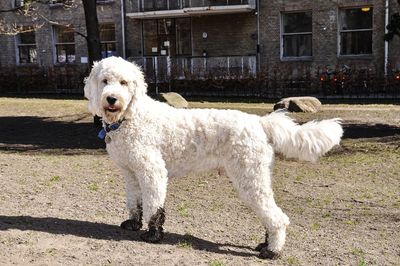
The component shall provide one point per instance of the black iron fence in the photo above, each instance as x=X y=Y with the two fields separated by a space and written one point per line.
x=237 y=76
x=66 y=79
x=378 y=88
x=197 y=78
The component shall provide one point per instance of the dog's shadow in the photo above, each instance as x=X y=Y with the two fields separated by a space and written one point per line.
x=113 y=232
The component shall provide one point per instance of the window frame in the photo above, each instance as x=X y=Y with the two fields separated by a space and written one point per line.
x=177 y=44
x=17 y=3
x=54 y=3
x=173 y=42
x=107 y=43
x=282 y=34
x=105 y=2
x=340 y=31
x=19 y=45
x=56 y=44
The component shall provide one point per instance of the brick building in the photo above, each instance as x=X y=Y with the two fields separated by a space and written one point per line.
x=206 y=39
x=53 y=57
x=328 y=33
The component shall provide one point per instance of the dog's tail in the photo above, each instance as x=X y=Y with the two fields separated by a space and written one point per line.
x=305 y=142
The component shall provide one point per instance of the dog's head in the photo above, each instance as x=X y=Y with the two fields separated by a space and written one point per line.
x=111 y=85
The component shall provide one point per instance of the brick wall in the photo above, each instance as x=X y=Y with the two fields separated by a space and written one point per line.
x=324 y=36
x=226 y=35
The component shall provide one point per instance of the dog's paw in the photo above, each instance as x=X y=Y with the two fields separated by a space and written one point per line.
x=265 y=253
x=152 y=235
x=132 y=225
x=261 y=246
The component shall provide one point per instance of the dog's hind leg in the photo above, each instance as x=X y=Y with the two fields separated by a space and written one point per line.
x=133 y=202
x=253 y=181
x=275 y=222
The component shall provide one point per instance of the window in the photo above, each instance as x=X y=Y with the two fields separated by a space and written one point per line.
x=355 y=31
x=167 y=37
x=296 y=34
x=183 y=37
x=101 y=2
x=107 y=40
x=26 y=46
x=150 y=37
x=18 y=3
x=64 y=44
x=61 y=2
x=154 y=5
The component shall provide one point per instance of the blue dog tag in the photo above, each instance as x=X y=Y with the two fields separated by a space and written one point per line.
x=102 y=134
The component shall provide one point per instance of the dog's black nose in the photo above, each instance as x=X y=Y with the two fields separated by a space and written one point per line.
x=111 y=100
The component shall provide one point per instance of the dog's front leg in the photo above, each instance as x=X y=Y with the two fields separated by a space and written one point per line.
x=133 y=202
x=153 y=180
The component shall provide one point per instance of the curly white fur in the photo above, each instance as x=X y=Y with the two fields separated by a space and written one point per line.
x=157 y=141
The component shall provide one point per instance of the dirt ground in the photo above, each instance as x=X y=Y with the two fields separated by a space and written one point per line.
x=62 y=199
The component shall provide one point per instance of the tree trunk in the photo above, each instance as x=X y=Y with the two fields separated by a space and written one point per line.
x=92 y=29
x=93 y=40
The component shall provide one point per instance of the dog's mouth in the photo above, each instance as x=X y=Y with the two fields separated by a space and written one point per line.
x=112 y=109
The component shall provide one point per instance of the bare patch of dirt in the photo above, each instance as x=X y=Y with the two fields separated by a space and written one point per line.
x=62 y=199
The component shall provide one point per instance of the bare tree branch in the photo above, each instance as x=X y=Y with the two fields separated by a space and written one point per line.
x=32 y=9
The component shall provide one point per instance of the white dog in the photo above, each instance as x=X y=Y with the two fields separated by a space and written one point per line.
x=151 y=141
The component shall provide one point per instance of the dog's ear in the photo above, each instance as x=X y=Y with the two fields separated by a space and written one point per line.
x=90 y=88
x=139 y=85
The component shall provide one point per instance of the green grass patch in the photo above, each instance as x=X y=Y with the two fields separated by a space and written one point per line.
x=351 y=222
x=186 y=242
x=292 y=260
x=315 y=226
x=217 y=206
x=217 y=263
x=298 y=178
x=93 y=186
x=55 y=178
x=183 y=210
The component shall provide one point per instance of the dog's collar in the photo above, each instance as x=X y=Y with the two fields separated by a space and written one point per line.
x=109 y=127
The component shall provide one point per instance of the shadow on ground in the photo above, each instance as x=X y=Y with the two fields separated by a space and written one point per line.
x=358 y=131
x=29 y=133
x=111 y=232
x=69 y=135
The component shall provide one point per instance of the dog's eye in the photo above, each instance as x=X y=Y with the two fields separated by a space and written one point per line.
x=123 y=82
x=105 y=81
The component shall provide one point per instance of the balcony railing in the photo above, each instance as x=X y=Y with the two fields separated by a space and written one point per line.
x=161 y=69
x=184 y=7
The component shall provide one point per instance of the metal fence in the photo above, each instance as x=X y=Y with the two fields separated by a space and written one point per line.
x=28 y=79
x=211 y=77
x=161 y=69
x=270 y=88
x=236 y=76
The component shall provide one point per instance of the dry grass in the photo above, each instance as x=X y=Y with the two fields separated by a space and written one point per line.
x=62 y=199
